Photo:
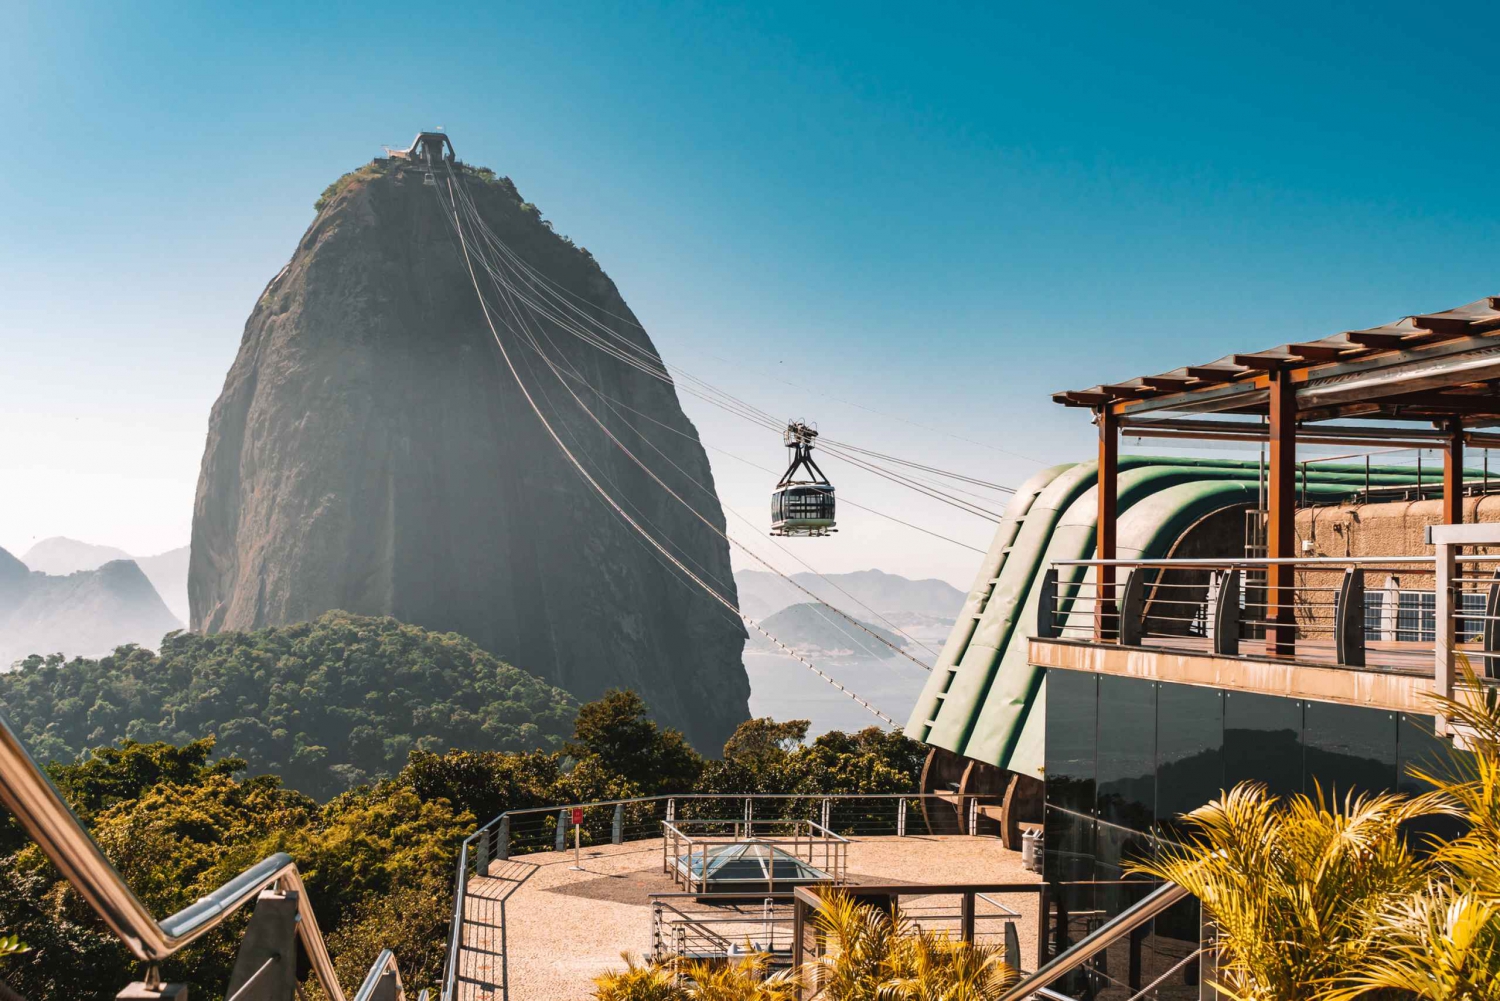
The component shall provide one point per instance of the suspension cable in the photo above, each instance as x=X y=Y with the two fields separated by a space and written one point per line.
x=529 y=335
x=604 y=494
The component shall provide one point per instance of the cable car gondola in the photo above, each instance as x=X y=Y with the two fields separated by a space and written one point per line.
x=802 y=507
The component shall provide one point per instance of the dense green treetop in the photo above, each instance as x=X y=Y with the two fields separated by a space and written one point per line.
x=326 y=705
x=378 y=860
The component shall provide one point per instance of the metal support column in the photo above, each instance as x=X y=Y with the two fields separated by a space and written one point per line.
x=1109 y=508
x=1281 y=534
x=1453 y=475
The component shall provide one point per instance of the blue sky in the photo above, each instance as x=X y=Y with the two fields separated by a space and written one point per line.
x=943 y=212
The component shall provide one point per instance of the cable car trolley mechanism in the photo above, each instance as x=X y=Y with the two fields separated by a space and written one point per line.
x=802 y=506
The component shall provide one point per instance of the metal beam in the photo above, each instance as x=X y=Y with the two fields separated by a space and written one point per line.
x=1109 y=505
x=1212 y=430
x=1453 y=475
x=1281 y=504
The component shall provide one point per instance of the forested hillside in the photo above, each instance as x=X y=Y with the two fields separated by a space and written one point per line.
x=378 y=860
x=324 y=705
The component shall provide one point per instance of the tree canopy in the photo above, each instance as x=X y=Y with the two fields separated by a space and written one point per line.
x=378 y=859
x=325 y=705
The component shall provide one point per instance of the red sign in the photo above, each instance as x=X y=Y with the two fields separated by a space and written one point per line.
x=577 y=815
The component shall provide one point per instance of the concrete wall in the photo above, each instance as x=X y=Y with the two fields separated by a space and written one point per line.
x=1388 y=529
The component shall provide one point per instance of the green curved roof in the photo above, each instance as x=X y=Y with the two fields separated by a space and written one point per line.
x=983 y=700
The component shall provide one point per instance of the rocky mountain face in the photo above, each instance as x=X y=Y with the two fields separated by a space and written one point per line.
x=82 y=614
x=370 y=452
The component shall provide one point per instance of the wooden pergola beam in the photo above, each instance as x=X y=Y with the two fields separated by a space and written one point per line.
x=1082 y=398
x=1214 y=373
x=1318 y=352
x=1168 y=383
x=1458 y=326
x=1264 y=362
x=1381 y=338
x=1122 y=392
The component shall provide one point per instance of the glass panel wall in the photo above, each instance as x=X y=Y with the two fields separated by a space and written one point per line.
x=1263 y=741
x=1348 y=749
x=1126 y=757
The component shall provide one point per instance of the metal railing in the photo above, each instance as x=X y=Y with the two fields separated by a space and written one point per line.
x=283 y=913
x=684 y=928
x=471 y=970
x=689 y=858
x=1396 y=612
x=1128 y=921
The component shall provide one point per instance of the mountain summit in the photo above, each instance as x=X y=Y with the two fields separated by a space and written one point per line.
x=82 y=614
x=371 y=452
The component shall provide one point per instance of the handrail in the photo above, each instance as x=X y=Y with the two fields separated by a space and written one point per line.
x=385 y=963
x=30 y=796
x=1127 y=921
x=455 y=930
x=518 y=811
x=1265 y=561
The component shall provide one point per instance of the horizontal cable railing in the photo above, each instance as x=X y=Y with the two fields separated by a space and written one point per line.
x=1343 y=611
x=477 y=971
x=274 y=881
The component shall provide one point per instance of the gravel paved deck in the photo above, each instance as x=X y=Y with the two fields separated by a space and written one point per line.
x=563 y=926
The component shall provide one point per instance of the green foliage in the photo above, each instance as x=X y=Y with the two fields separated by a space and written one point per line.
x=325 y=705
x=742 y=980
x=617 y=733
x=377 y=859
x=339 y=186
x=1295 y=888
x=1329 y=902
x=877 y=953
x=765 y=756
x=377 y=863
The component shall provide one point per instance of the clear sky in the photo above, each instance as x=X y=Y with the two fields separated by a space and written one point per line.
x=941 y=212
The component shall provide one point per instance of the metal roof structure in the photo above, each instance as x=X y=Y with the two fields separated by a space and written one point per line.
x=1434 y=368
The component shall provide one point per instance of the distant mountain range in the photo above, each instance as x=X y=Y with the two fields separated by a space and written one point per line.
x=816 y=630
x=85 y=613
x=168 y=571
x=860 y=593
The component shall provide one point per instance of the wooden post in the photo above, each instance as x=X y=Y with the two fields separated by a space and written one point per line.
x=1109 y=503
x=1453 y=475
x=1281 y=502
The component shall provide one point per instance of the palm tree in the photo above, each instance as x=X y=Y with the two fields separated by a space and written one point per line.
x=877 y=955
x=1296 y=889
x=652 y=981
x=1443 y=943
x=741 y=980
